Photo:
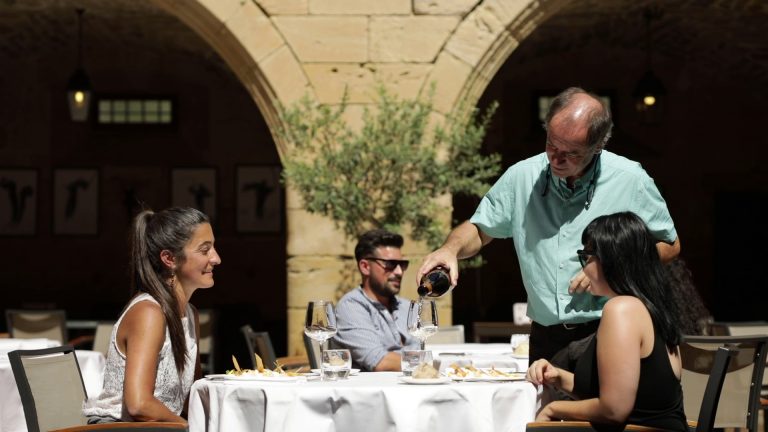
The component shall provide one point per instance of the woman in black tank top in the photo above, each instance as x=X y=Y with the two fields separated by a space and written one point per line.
x=630 y=371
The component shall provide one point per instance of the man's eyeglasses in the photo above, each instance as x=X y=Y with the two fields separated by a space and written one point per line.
x=584 y=256
x=389 y=264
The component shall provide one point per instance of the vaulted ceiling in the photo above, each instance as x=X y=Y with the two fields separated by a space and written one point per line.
x=717 y=34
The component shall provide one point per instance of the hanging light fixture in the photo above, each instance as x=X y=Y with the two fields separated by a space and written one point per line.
x=79 y=87
x=649 y=93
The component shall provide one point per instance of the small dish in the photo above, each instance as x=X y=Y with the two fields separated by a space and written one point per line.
x=254 y=377
x=352 y=372
x=484 y=375
x=424 y=381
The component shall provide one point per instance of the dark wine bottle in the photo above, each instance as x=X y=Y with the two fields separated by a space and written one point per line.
x=436 y=283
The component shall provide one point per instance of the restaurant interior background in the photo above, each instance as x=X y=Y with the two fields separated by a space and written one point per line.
x=707 y=152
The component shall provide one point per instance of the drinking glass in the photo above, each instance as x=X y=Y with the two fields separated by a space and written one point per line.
x=320 y=323
x=422 y=319
x=411 y=359
x=335 y=364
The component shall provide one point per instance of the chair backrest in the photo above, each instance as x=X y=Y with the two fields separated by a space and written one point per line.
x=744 y=329
x=102 y=336
x=711 y=398
x=740 y=395
x=259 y=343
x=485 y=331
x=51 y=387
x=30 y=324
x=448 y=335
x=314 y=351
x=208 y=319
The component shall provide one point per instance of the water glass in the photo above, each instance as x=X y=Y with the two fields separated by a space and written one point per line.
x=336 y=364
x=519 y=344
x=411 y=359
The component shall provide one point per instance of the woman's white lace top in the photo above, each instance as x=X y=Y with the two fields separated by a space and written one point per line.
x=170 y=389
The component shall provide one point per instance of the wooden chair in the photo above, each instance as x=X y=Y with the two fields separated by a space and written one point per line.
x=52 y=393
x=719 y=365
x=207 y=347
x=98 y=341
x=743 y=328
x=448 y=335
x=740 y=399
x=314 y=351
x=30 y=324
x=260 y=343
x=485 y=331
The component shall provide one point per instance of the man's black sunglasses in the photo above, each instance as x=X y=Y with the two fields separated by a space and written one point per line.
x=389 y=264
x=584 y=256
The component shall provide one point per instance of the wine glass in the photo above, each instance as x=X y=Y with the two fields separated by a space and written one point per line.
x=320 y=323
x=422 y=319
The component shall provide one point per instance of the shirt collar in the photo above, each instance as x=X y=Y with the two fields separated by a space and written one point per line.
x=580 y=183
x=395 y=303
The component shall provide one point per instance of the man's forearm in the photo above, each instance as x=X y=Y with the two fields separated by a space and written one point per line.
x=390 y=362
x=668 y=252
x=466 y=240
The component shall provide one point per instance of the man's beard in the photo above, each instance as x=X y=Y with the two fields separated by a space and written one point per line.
x=385 y=289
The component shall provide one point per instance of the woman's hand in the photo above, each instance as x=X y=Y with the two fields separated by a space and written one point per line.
x=543 y=372
x=545 y=414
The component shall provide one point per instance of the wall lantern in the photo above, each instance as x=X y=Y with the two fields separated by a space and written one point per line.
x=649 y=93
x=79 y=86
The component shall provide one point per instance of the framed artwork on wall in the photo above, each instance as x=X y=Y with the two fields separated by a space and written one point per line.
x=259 y=196
x=195 y=187
x=18 y=201
x=76 y=201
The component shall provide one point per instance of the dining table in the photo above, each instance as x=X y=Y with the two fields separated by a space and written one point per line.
x=11 y=410
x=367 y=401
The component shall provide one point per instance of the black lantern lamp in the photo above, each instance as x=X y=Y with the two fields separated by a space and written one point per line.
x=79 y=86
x=649 y=93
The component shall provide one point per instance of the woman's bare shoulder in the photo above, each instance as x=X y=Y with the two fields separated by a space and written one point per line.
x=622 y=305
x=145 y=314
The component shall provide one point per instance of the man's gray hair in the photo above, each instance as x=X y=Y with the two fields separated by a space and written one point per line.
x=599 y=120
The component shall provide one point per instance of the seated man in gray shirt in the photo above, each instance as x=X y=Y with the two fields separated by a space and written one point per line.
x=372 y=319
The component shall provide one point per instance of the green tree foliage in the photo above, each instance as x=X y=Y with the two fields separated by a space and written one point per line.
x=388 y=173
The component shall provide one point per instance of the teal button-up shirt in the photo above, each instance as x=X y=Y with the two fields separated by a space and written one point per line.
x=546 y=226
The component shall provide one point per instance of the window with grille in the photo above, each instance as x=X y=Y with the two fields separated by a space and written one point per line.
x=135 y=111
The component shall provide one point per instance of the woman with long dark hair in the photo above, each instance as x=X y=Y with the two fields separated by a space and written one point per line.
x=153 y=359
x=630 y=373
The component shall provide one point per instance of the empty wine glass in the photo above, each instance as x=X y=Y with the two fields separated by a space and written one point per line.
x=422 y=319
x=320 y=323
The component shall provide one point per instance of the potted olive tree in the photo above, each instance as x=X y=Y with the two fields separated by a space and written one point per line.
x=389 y=172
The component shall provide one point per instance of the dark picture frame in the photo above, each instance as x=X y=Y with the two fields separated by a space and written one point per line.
x=19 y=196
x=259 y=196
x=76 y=201
x=195 y=187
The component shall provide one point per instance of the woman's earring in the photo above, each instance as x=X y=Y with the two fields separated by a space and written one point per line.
x=172 y=281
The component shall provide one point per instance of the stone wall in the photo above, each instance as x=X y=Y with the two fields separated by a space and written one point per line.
x=282 y=50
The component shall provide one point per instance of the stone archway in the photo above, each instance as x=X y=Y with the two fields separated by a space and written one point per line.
x=283 y=49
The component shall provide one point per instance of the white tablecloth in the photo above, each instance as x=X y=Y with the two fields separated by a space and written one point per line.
x=11 y=411
x=367 y=402
x=479 y=355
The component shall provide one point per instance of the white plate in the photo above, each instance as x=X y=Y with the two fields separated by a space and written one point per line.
x=519 y=356
x=351 y=371
x=253 y=377
x=412 y=380
x=515 y=376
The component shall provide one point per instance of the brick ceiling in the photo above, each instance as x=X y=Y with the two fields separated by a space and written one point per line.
x=718 y=34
